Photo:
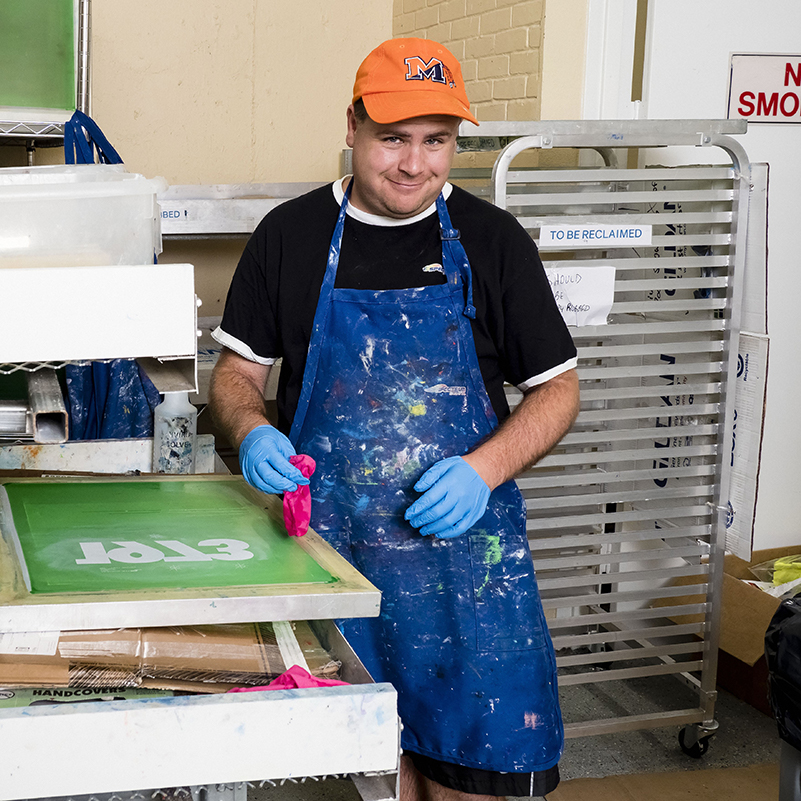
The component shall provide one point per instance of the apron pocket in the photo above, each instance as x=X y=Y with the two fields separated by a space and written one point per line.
x=509 y=614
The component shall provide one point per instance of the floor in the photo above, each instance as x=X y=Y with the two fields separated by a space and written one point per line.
x=741 y=762
x=745 y=736
x=733 y=784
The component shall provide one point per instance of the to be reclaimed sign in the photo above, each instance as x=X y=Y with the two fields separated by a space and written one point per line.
x=584 y=295
x=599 y=235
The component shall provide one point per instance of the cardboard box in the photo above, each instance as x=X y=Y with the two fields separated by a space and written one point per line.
x=746 y=612
x=745 y=616
x=749 y=683
x=191 y=658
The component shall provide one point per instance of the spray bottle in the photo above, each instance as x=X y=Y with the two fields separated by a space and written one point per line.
x=174 y=433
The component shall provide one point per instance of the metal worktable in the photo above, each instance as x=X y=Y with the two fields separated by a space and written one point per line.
x=121 y=746
x=213 y=744
x=209 y=741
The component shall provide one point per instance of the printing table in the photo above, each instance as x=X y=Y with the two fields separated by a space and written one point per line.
x=120 y=746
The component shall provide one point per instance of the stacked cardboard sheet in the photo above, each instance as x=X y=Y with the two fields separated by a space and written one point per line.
x=189 y=658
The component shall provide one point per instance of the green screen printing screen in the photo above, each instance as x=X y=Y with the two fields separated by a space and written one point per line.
x=37 y=54
x=117 y=536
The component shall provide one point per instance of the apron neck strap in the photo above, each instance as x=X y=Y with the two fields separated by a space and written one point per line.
x=454 y=257
x=455 y=261
x=336 y=246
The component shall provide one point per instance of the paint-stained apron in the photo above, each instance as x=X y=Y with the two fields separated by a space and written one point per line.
x=392 y=385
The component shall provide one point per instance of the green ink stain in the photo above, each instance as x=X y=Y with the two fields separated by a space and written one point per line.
x=411 y=467
x=492 y=556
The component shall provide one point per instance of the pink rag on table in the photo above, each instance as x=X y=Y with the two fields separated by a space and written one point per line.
x=296 y=678
x=297 y=504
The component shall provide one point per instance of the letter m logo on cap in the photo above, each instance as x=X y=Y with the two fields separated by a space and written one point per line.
x=434 y=70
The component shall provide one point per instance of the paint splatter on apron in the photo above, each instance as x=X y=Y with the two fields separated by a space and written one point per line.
x=392 y=385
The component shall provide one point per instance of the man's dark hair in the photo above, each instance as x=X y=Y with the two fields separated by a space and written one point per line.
x=360 y=112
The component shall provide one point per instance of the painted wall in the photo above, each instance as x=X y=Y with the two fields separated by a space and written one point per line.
x=687 y=57
x=229 y=91
x=239 y=91
x=563 y=59
x=499 y=45
x=687 y=67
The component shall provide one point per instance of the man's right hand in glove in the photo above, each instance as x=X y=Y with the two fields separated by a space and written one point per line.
x=264 y=459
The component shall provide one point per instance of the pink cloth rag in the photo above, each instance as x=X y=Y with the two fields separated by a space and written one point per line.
x=297 y=504
x=296 y=678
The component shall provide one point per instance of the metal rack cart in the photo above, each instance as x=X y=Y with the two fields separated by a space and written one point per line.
x=627 y=516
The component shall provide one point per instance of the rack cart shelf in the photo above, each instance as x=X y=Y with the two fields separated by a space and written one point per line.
x=627 y=517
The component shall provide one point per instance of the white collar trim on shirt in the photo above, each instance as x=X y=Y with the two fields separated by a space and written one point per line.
x=377 y=219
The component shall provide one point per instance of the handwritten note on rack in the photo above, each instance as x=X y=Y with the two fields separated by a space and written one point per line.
x=584 y=295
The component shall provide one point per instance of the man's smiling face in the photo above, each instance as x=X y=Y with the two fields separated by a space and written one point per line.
x=399 y=168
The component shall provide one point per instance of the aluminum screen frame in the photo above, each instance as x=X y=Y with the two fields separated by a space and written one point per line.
x=351 y=595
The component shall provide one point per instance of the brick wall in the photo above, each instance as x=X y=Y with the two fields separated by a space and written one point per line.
x=498 y=42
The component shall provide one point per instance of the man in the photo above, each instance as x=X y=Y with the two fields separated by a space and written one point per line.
x=397 y=334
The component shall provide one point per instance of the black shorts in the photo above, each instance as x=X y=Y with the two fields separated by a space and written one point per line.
x=486 y=782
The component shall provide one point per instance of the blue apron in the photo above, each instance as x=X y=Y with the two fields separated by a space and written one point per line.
x=391 y=386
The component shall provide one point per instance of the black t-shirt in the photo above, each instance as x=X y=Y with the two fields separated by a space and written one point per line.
x=519 y=334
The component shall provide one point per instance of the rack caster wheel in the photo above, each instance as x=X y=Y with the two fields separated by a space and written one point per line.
x=692 y=744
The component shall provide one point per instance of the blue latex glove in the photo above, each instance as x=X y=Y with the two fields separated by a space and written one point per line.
x=264 y=459
x=454 y=497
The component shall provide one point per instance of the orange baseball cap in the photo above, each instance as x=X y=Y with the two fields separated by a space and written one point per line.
x=404 y=78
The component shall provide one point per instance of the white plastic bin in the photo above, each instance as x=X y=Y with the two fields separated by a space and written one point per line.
x=78 y=215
